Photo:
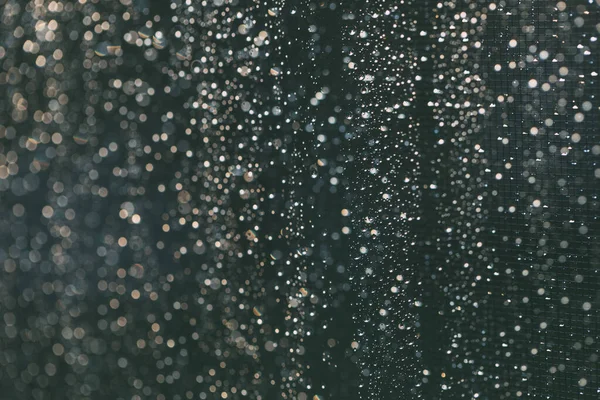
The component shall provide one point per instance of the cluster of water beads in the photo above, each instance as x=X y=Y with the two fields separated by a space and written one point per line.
x=177 y=186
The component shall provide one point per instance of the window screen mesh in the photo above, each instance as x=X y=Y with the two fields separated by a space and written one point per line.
x=276 y=199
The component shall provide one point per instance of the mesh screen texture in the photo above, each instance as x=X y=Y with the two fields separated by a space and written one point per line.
x=277 y=199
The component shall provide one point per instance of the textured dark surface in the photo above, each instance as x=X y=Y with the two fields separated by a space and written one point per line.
x=299 y=200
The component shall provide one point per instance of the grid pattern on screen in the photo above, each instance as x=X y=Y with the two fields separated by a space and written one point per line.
x=541 y=141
